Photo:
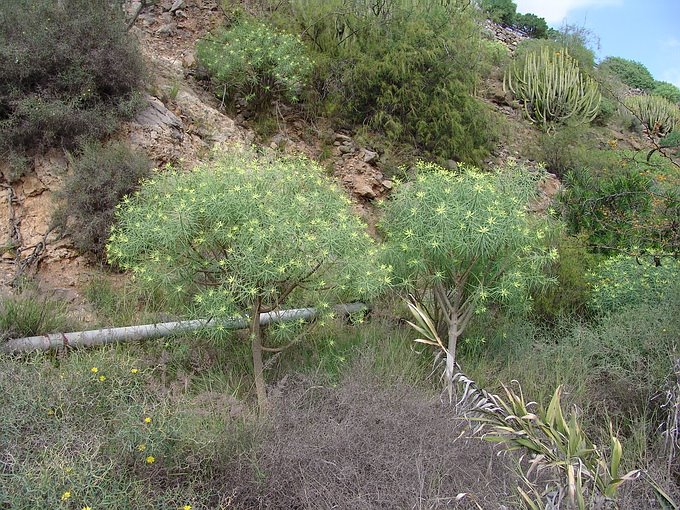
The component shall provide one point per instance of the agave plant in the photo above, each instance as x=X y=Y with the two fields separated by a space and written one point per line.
x=575 y=473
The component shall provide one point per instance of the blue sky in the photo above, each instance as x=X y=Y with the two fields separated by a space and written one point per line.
x=647 y=31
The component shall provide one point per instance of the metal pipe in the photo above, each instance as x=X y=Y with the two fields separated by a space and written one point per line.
x=130 y=333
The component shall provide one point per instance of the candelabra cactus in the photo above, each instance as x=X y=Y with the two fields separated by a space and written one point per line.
x=658 y=115
x=553 y=89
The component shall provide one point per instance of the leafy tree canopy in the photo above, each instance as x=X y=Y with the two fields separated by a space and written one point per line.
x=467 y=238
x=634 y=74
x=244 y=235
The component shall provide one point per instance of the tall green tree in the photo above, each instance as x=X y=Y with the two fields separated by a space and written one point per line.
x=632 y=73
x=500 y=11
x=245 y=235
x=466 y=240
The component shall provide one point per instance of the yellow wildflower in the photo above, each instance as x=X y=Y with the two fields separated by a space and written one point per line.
x=134 y=370
x=150 y=459
x=147 y=419
x=94 y=370
x=141 y=447
x=102 y=378
x=66 y=495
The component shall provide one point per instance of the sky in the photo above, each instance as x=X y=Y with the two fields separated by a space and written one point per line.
x=647 y=31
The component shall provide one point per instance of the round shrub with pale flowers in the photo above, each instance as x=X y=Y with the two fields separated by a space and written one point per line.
x=256 y=63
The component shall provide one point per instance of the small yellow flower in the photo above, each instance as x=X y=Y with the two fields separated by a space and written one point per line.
x=102 y=378
x=66 y=495
x=141 y=447
x=150 y=459
x=94 y=370
x=87 y=508
x=186 y=507
x=134 y=370
x=147 y=419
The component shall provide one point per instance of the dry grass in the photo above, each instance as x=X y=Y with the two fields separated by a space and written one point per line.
x=361 y=445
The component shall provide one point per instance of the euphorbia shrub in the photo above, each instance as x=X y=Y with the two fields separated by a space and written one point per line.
x=467 y=240
x=246 y=234
x=256 y=63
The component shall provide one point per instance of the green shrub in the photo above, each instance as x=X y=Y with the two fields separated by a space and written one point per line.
x=101 y=175
x=61 y=84
x=500 y=11
x=672 y=142
x=532 y=25
x=31 y=313
x=667 y=91
x=408 y=69
x=658 y=115
x=496 y=52
x=581 y=43
x=570 y=296
x=466 y=239
x=574 y=39
x=625 y=281
x=632 y=73
x=608 y=108
x=246 y=235
x=608 y=207
x=553 y=89
x=410 y=87
x=623 y=208
x=256 y=63
x=567 y=148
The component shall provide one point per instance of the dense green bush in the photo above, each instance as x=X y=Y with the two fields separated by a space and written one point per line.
x=623 y=207
x=68 y=74
x=581 y=43
x=624 y=281
x=671 y=142
x=532 y=25
x=101 y=175
x=570 y=296
x=500 y=11
x=632 y=73
x=407 y=69
x=608 y=108
x=553 y=89
x=575 y=40
x=410 y=87
x=667 y=91
x=255 y=62
x=567 y=148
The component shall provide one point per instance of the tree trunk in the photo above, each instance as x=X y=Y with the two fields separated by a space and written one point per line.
x=258 y=364
x=453 y=334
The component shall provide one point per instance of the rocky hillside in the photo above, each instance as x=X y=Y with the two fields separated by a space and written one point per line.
x=183 y=121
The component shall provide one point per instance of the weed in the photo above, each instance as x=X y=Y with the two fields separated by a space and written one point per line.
x=31 y=313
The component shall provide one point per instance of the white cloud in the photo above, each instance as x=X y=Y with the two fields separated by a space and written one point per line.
x=554 y=11
x=671 y=75
x=671 y=42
